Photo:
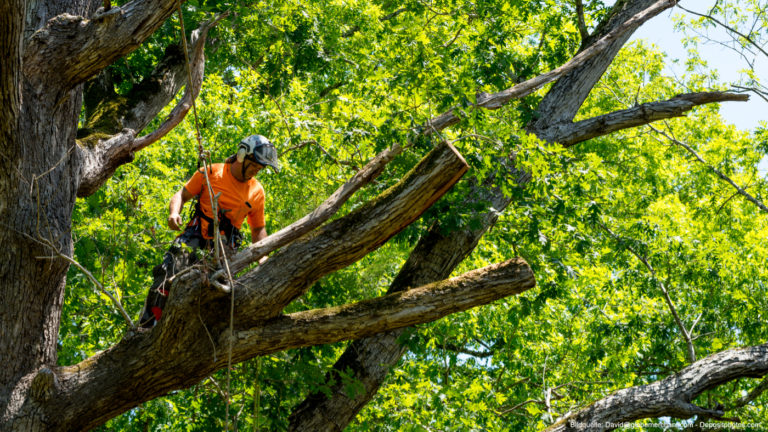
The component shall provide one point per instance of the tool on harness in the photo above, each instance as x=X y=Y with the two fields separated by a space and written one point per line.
x=233 y=236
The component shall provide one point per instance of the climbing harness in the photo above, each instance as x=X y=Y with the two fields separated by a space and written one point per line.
x=216 y=219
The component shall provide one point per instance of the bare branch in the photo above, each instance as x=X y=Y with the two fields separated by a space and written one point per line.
x=369 y=360
x=318 y=216
x=729 y=28
x=497 y=100
x=197 y=66
x=102 y=159
x=761 y=93
x=754 y=394
x=463 y=350
x=104 y=156
x=567 y=95
x=107 y=384
x=568 y=133
x=582 y=24
x=97 y=284
x=671 y=396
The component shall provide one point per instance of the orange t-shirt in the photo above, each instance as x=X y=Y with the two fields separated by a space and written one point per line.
x=241 y=199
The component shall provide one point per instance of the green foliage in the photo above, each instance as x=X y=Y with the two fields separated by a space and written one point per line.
x=332 y=83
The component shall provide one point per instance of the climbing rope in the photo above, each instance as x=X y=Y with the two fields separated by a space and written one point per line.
x=219 y=253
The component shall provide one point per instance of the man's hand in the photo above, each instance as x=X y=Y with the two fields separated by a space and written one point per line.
x=175 y=206
x=174 y=222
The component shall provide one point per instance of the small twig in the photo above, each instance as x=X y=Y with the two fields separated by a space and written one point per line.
x=95 y=282
x=518 y=406
x=686 y=334
x=725 y=26
x=758 y=92
x=453 y=39
x=757 y=391
x=720 y=174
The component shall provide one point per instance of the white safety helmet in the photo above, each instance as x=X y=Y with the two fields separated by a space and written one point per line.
x=260 y=150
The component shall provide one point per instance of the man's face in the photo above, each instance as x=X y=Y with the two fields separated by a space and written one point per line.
x=251 y=168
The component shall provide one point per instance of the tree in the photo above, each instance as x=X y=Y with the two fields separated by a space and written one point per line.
x=58 y=58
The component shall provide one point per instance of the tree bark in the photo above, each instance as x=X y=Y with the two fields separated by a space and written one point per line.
x=569 y=133
x=70 y=49
x=42 y=166
x=87 y=394
x=369 y=360
x=50 y=48
x=673 y=396
x=109 y=138
x=37 y=189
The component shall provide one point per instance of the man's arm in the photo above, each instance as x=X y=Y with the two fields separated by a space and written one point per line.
x=174 y=207
x=256 y=235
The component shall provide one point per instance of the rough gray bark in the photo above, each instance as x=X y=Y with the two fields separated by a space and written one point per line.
x=52 y=48
x=564 y=99
x=85 y=395
x=41 y=172
x=397 y=310
x=113 y=124
x=70 y=49
x=593 y=58
x=369 y=360
x=672 y=396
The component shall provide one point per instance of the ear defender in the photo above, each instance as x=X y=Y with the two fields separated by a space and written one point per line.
x=241 y=152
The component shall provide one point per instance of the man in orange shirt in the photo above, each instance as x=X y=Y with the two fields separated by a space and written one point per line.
x=241 y=196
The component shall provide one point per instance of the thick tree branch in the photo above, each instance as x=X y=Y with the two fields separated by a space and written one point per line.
x=318 y=216
x=348 y=239
x=71 y=49
x=393 y=311
x=369 y=360
x=197 y=66
x=499 y=99
x=568 y=133
x=129 y=373
x=566 y=96
x=103 y=153
x=671 y=396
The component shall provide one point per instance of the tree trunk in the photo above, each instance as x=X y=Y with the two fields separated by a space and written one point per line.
x=42 y=171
